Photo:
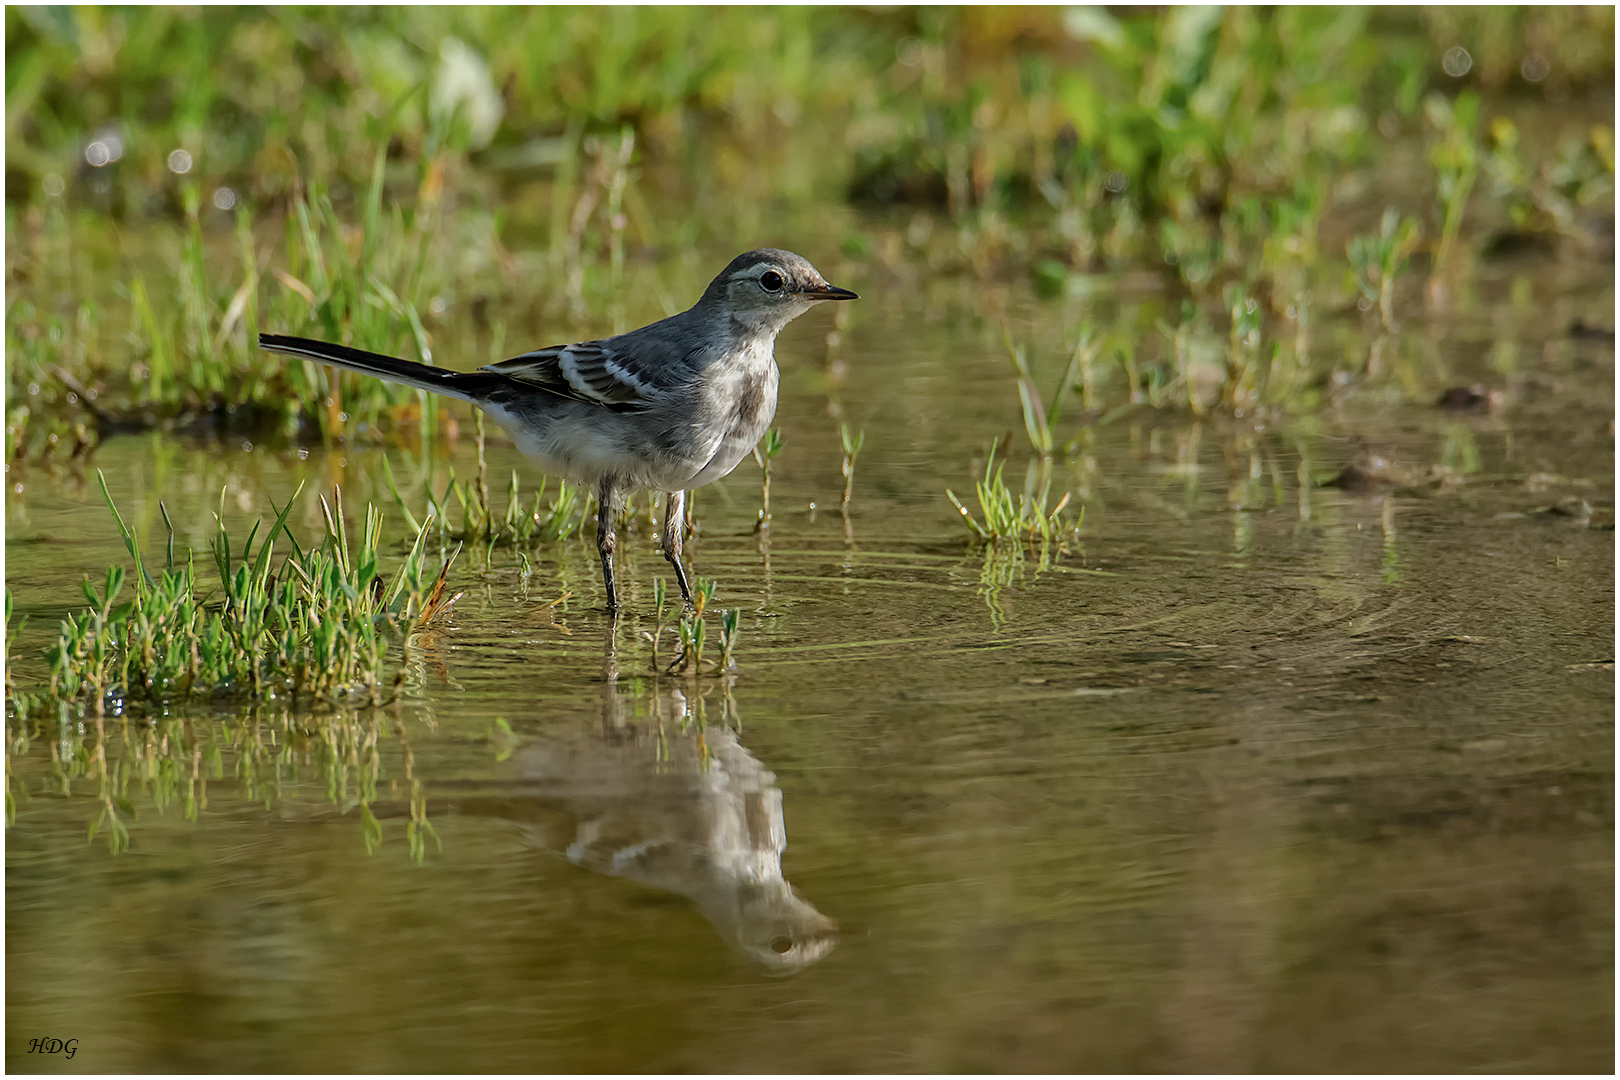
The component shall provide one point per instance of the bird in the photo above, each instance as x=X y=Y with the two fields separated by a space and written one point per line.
x=668 y=408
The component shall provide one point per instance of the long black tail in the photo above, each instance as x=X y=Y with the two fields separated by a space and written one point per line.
x=471 y=386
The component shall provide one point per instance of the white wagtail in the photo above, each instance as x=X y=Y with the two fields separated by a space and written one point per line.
x=670 y=407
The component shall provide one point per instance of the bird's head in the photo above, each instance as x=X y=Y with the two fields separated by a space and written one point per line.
x=765 y=289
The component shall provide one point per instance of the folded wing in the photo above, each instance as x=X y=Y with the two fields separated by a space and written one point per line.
x=590 y=371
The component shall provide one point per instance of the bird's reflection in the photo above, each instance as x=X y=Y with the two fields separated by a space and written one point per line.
x=672 y=802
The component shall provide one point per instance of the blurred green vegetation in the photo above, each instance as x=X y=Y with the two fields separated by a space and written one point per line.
x=968 y=104
x=386 y=176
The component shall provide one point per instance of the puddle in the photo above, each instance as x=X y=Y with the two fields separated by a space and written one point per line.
x=1260 y=772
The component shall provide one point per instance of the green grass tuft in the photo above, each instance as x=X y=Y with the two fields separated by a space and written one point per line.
x=1009 y=518
x=314 y=623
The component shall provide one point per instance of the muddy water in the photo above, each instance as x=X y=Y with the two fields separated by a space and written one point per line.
x=1266 y=775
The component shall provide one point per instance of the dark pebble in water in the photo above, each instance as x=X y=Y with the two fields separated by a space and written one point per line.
x=1354 y=478
x=1464 y=397
x=1580 y=328
x=1513 y=242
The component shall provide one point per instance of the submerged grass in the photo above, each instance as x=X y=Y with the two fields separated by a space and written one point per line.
x=692 y=632
x=1006 y=518
x=297 y=638
x=1012 y=519
x=313 y=626
x=271 y=636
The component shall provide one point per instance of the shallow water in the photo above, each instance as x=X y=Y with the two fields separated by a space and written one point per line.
x=1267 y=775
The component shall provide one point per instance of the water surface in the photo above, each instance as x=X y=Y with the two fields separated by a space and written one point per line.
x=1264 y=775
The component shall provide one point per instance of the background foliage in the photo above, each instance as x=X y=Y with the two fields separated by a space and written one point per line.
x=398 y=176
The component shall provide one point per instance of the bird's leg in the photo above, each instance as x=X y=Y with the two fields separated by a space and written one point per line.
x=606 y=497
x=674 y=531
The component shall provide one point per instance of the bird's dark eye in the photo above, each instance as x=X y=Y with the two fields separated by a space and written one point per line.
x=770 y=281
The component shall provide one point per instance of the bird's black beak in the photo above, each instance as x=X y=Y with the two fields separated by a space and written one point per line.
x=828 y=292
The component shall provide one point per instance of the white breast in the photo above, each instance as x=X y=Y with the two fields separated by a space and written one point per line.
x=747 y=401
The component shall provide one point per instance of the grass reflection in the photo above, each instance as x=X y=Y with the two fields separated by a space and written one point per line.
x=267 y=755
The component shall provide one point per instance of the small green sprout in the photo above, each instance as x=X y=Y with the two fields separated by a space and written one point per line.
x=1007 y=518
x=1376 y=260
x=764 y=454
x=852 y=448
